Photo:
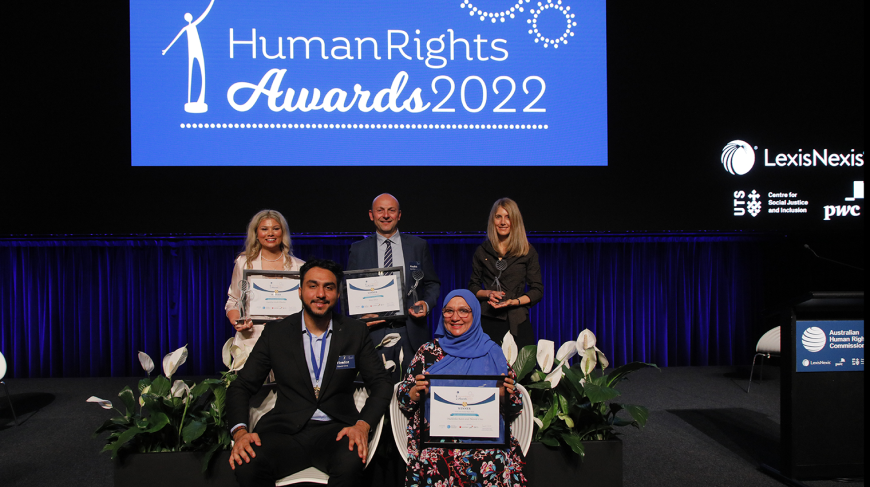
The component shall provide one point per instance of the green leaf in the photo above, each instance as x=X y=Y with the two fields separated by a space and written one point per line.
x=525 y=362
x=616 y=375
x=574 y=442
x=539 y=385
x=567 y=419
x=122 y=440
x=638 y=413
x=157 y=421
x=220 y=400
x=161 y=386
x=144 y=383
x=599 y=394
x=549 y=441
x=192 y=431
x=208 y=454
x=116 y=423
x=573 y=377
x=548 y=418
x=563 y=403
x=129 y=401
x=537 y=376
x=198 y=389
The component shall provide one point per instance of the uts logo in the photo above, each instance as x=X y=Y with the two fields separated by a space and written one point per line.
x=738 y=157
x=814 y=339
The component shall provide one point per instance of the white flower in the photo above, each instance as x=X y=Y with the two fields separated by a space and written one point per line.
x=590 y=360
x=144 y=391
x=390 y=340
x=240 y=356
x=555 y=377
x=537 y=422
x=602 y=359
x=509 y=347
x=146 y=362
x=585 y=340
x=390 y=365
x=401 y=356
x=173 y=360
x=102 y=402
x=227 y=354
x=179 y=389
x=545 y=355
x=566 y=351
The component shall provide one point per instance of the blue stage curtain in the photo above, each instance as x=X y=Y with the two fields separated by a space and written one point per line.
x=82 y=307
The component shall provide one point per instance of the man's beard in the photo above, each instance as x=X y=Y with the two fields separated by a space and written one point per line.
x=308 y=309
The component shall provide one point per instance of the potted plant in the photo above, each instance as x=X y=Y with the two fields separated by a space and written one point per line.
x=171 y=416
x=575 y=409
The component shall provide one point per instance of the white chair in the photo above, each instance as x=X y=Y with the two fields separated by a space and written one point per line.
x=770 y=344
x=315 y=476
x=522 y=428
x=2 y=375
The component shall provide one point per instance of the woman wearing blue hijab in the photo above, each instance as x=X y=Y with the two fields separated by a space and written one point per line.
x=460 y=348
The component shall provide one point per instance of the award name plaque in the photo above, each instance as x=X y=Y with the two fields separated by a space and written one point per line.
x=374 y=294
x=464 y=411
x=270 y=295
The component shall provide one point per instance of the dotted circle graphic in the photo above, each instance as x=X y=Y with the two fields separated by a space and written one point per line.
x=569 y=17
x=493 y=16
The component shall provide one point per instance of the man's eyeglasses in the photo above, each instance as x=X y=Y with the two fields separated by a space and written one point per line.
x=463 y=312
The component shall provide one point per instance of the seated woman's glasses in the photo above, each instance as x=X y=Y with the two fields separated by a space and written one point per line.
x=463 y=312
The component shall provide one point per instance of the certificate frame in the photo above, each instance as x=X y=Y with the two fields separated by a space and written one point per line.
x=246 y=299
x=352 y=277
x=502 y=441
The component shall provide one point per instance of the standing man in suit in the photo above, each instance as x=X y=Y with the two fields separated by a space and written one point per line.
x=316 y=356
x=389 y=248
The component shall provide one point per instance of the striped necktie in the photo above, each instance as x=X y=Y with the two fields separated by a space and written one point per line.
x=388 y=254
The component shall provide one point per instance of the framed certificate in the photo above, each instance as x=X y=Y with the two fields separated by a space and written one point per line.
x=464 y=411
x=378 y=292
x=269 y=295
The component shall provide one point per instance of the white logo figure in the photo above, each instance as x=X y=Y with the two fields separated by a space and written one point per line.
x=738 y=157
x=814 y=339
x=754 y=206
x=857 y=191
x=194 y=52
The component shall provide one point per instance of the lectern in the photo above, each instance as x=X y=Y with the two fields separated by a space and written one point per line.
x=823 y=386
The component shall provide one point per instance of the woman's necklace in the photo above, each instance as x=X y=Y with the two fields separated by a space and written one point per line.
x=263 y=257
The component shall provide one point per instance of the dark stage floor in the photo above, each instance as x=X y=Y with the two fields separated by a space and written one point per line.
x=704 y=430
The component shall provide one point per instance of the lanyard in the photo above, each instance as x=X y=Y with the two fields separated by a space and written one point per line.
x=314 y=365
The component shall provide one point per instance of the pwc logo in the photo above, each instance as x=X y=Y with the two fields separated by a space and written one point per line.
x=738 y=157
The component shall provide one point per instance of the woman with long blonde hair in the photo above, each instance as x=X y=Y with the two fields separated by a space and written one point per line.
x=506 y=276
x=267 y=247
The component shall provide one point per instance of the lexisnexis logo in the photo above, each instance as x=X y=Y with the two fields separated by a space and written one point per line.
x=738 y=157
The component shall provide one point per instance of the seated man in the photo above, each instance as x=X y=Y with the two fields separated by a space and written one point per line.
x=316 y=356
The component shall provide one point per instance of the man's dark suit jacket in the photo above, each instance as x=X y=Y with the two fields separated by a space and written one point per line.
x=280 y=348
x=364 y=255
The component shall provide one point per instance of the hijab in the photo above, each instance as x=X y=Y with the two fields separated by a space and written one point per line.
x=472 y=353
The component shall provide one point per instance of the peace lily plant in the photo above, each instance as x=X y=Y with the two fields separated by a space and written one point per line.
x=172 y=416
x=573 y=403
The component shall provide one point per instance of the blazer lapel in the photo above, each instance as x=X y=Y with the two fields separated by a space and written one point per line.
x=297 y=350
x=336 y=344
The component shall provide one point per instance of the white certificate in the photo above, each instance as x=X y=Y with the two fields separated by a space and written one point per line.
x=467 y=412
x=372 y=295
x=274 y=297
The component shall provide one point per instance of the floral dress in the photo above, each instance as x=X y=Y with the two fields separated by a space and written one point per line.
x=442 y=467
